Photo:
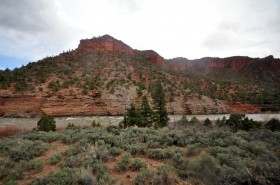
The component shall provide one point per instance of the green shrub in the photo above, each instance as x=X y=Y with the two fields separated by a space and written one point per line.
x=5 y=165
x=54 y=159
x=177 y=159
x=159 y=153
x=136 y=149
x=204 y=167
x=71 y=126
x=87 y=177
x=137 y=164
x=123 y=164
x=16 y=173
x=46 y=123
x=166 y=175
x=65 y=176
x=193 y=149
x=100 y=170
x=43 y=136
x=145 y=177
x=113 y=129
x=11 y=182
x=115 y=151
x=20 y=149
x=94 y=124
x=35 y=165
x=273 y=125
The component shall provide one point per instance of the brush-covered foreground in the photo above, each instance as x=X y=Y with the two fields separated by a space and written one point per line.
x=110 y=155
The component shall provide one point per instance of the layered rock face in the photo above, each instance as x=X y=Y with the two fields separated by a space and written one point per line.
x=235 y=64
x=100 y=101
x=103 y=44
x=107 y=43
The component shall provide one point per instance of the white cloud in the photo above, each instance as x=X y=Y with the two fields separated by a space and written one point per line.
x=188 y=28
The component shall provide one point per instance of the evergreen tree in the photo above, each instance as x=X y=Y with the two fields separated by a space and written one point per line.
x=207 y=122
x=146 y=112
x=184 y=120
x=194 y=121
x=133 y=117
x=159 y=105
x=46 y=123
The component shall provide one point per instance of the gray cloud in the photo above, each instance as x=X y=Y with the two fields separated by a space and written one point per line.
x=254 y=26
x=26 y=15
x=33 y=29
x=128 y=5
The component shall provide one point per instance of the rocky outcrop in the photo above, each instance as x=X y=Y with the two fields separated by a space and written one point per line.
x=103 y=44
x=235 y=63
x=101 y=100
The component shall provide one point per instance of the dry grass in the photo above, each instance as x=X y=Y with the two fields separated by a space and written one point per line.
x=9 y=130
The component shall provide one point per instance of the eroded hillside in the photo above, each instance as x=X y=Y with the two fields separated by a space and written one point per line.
x=104 y=75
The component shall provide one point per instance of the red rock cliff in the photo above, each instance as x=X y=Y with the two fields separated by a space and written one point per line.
x=103 y=44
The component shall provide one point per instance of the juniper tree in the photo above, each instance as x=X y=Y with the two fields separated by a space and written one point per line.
x=159 y=105
x=146 y=112
x=133 y=117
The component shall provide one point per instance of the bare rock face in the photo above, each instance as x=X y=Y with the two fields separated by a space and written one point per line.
x=103 y=44
x=153 y=57
x=99 y=100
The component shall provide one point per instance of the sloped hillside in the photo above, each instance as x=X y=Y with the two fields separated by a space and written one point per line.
x=104 y=75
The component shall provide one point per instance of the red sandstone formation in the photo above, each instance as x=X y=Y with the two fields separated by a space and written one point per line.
x=104 y=43
x=102 y=102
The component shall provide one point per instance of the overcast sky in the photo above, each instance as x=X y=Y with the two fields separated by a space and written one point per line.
x=33 y=29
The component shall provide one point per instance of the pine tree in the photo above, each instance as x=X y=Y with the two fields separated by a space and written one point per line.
x=159 y=105
x=146 y=112
x=133 y=117
x=207 y=122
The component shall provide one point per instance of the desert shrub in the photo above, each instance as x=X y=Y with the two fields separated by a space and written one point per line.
x=71 y=126
x=145 y=177
x=95 y=124
x=43 y=136
x=166 y=175
x=159 y=153
x=54 y=159
x=273 y=125
x=16 y=173
x=5 y=166
x=177 y=158
x=136 y=149
x=65 y=176
x=204 y=167
x=115 y=151
x=193 y=149
x=123 y=164
x=100 y=171
x=20 y=149
x=35 y=165
x=46 y=123
x=11 y=182
x=137 y=164
x=91 y=152
x=86 y=177
x=113 y=129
